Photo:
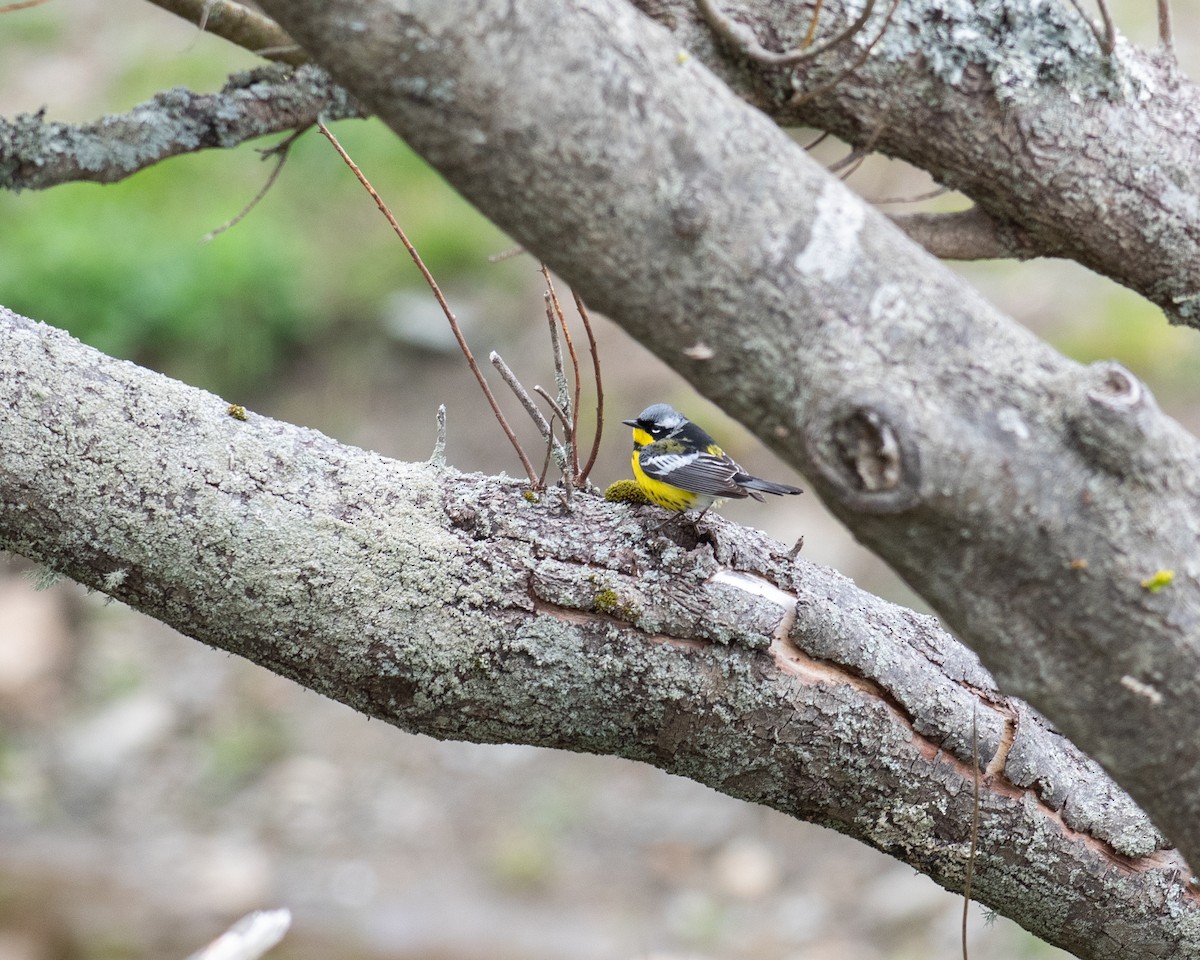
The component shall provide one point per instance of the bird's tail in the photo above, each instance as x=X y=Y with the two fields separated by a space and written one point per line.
x=753 y=484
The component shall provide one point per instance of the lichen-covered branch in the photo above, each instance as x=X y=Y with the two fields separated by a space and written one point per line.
x=36 y=153
x=1049 y=512
x=452 y=605
x=1012 y=104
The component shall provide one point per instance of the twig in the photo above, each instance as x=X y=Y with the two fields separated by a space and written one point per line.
x=569 y=438
x=574 y=409
x=23 y=5
x=591 y=338
x=919 y=198
x=546 y=463
x=239 y=25
x=506 y=254
x=568 y=471
x=824 y=135
x=812 y=27
x=249 y=938
x=853 y=158
x=1106 y=37
x=1166 y=33
x=806 y=96
x=280 y=150
x=531 y=407
x=437 y=292
x=744 y=40
x=554 y=407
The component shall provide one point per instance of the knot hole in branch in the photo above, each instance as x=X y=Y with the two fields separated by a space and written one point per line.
x=868 y=457
x=1116 y=388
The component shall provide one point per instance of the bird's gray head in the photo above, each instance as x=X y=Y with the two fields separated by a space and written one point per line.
x=658 y=418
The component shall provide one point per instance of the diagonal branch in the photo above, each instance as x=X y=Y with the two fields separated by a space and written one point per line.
x=449 y=604
x=981 y=464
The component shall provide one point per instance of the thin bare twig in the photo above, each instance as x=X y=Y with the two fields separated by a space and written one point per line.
x=565 y=419
x=1166 y=33
x=852 y=159
x=506 y=254
x=248 y=939
x=544 y=426
x=437 y=292
x=558 y=411
x=574 y=411
x=821 y=138
x=807 y=95
x=812 y=27
x=591 y=338
x=23 y=5
x=280 y=151
x=1106 y=35
x=918 y=198
x=743 y=39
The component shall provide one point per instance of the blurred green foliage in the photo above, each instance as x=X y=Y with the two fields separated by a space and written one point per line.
x=123 y=268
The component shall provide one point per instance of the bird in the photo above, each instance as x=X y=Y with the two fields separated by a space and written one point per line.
x=680 y=467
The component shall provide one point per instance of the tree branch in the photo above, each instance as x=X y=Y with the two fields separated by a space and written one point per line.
x=1029 y=499
x=35 y=154
x=449 y=604
x=966 y=235
x=1083 y=151
x=239 y=25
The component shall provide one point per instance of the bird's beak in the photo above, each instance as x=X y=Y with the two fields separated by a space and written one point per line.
x=629 y=423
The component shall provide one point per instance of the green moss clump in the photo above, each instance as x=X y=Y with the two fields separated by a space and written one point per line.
x=625 y=491
x=608 y=601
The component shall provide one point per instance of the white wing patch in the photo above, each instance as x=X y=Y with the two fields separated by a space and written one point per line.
x=661 y=464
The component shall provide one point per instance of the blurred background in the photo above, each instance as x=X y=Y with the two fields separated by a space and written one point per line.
x=153 y=790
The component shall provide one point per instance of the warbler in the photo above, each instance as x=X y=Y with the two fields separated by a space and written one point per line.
x=680 y=467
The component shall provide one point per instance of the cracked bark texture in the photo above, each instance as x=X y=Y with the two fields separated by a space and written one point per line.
x=451 y=605
x=1029 y=499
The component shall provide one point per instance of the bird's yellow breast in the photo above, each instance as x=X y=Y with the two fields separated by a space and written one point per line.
x=663 y=494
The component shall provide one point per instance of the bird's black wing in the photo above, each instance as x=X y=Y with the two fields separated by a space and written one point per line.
x=702 y=473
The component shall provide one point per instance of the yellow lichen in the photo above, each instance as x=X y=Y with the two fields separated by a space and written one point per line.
x=1158 y=581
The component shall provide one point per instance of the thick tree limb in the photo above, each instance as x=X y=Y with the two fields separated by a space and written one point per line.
x=1030 y=500
x=35 y=154
x=448 y=604
x=1012 y=104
